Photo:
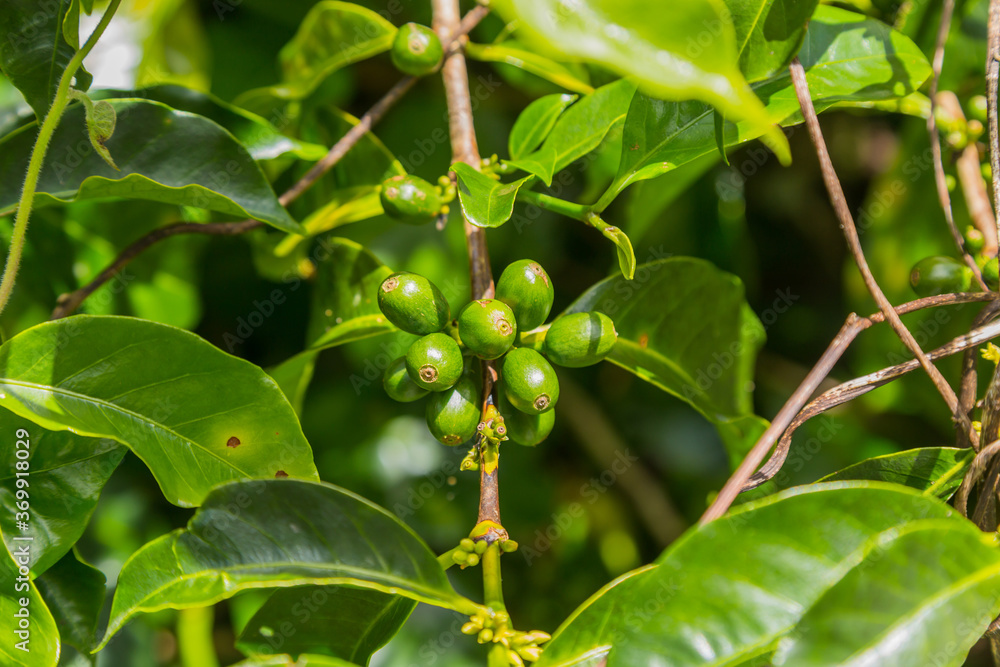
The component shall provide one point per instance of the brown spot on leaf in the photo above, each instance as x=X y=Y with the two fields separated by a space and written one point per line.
x=233 y=442
x=643 y=340
x=280 y=474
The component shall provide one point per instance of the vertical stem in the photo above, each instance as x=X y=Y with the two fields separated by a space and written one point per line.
x=493 y=598
x=194 y=637
x=992 y=84
x=45 y=133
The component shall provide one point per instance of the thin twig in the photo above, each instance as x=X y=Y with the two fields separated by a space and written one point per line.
x=969 y=386
x=68 y=303
x=839 y=202
x=848 y=332
x=940 y=180
x=992 y=83
x=976 y=471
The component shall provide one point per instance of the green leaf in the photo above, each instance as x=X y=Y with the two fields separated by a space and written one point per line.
x=65 y=476
x=286 y=661
x=332 y=36
x=927 y=590
x=348 y=205
x=688 y=52
x=261 y=138
x=847 y=58
x=579 y=130
x=700 y=605
x=164 y=155
x=666 y=337
x=34 y=641
x=279 y=533
x=485 y=201
x=195 y=415
x=936 y=471
x=513 y=53
x=535 y=122
x=623 y=247
x=298 y=620
x=34 y=52
x=101 y=120
x=344 y=309
x=768 y=33
x=74 y=592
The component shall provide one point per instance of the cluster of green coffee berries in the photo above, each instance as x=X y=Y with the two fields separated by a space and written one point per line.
x=444 y=362
x=942 y=275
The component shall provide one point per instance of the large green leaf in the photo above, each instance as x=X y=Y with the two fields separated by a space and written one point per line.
x=579 y=130
x=513 y=53
x=681 y=51
x=195 y=415
x=164 y=155
x=332 y=36
x=937 y=471
x=485 y=201
x=298 y=620
x=32 y=636
x=768 y=33
x=666 y=337
x=703 y=605
x=924 y=595
x=74 y=592
x=344 y=309
x=261 y=139
x=535 y=122
x=34 y=51
x=65 y=475
x=279 y=533
x=847 y=58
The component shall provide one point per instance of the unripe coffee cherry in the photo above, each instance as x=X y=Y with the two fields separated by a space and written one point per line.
x=580 y=339
x=529 y=381
x=413 y=303
x=525 y=429
x=410 y=199
x=526 y=288
x=399 y=385
x=940 y=275
x=434 y=362
x=453 y=415
x=487 y=328
x=416 y=50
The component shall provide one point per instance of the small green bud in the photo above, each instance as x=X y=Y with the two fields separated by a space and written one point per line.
x=471 y=627
x=459 y=556
x=485 y=636
x=508 y=546
x=481 y=547
x=467 y=544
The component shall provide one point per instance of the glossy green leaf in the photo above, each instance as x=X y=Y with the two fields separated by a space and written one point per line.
x=936 y=471
x=700 y=605
x=348 y=205
x=535 y=122
x=623 y=248
x=156 y=389
x=579 y=130
x=279 y=533
x=928 y=592
x=511 y=52
x=768 y=33
x=666 y=337
x=298 y=620
x=74 y=592
x=261 y=139
x=32 y=636
x=65 y=476
x=344 y=309
x=34 y=52
x=485 y=201
x=688 y=52
x=847 y=58
x=332 y=36
x=287 y=661
x=164 y=155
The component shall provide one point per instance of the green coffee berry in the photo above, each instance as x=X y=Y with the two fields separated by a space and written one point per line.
x=410 y=199
x=413 y=303
x=525 y=429
x=416 y=50
x=529 y=381
x=434 y=362
x=453 y=415
x=487 y=328
x=939 y=275
x=974 y=240
x=991 y=272
x=580 y=339
x=399 y=385
x=526 y=288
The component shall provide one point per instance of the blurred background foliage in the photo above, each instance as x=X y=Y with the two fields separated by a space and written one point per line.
x=579 y=524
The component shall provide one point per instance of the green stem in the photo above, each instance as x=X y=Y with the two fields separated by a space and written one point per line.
x=556 y=205
x=45 y=133
x=194 y=637
x=493 y=598
x=445 y=560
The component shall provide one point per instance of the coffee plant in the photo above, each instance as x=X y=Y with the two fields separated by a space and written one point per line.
x=161 y=299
